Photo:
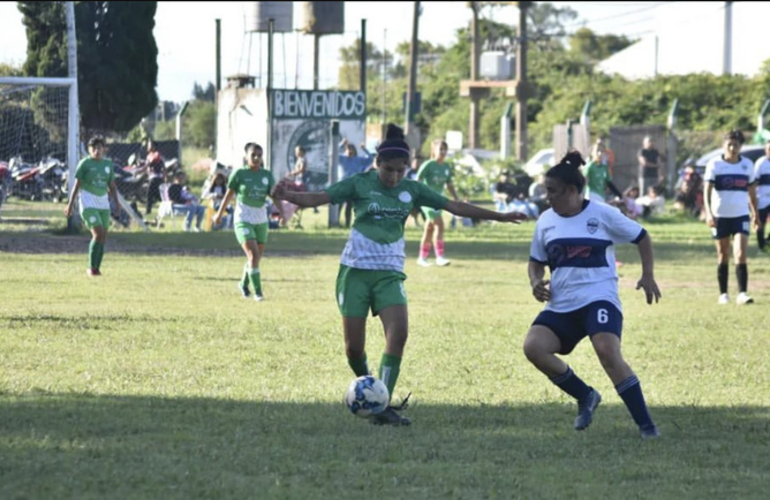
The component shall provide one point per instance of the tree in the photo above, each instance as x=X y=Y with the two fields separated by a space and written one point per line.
x=350 y=70
x=207 y=94
x=595 y=47
x=117 y=57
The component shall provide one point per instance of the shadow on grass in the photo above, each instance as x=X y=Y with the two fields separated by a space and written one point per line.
x=85 y=446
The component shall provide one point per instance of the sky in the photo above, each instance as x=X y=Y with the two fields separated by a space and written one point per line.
x=185 y=35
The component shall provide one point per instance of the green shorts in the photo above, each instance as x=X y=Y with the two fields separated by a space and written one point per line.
x=245 y=231
x=358 y=290
x=430 y=213
x=93 y=217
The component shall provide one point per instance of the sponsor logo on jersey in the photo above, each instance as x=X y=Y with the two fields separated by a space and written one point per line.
x=592 y=225
x=404 y=197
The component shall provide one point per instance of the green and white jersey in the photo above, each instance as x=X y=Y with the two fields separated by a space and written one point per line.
x=597 y=177
x=436 y=175
x=377 y=238
x=95 y=177
x=251 y=188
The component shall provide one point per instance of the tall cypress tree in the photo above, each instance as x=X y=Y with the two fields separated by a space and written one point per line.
x=117 y=57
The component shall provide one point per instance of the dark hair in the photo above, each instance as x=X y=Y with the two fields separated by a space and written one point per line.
x=97 y=139
x=250 y=145
x=735 y=135
x=568 y=171
x=394 y=145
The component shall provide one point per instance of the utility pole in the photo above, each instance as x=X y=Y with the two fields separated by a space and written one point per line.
x=316 y=50
x=409 y=130
x=473 y=132
x=522 y=87
x=728 y=48
x=363 y=56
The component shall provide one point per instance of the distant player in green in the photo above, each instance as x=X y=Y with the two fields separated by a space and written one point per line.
x=437 y=175
x=371 y=274
x=598 y=177
x=94 y=178
x=250 y=186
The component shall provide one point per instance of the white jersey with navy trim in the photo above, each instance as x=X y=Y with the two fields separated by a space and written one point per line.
x=730 y=196
x=580 y=253
x=762 y=176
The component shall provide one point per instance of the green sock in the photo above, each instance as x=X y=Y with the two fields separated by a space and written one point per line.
x=245 y=277
x=256 y=280
x=360 y=366
x=389 y=367
x=99 y=254
x=92 y=254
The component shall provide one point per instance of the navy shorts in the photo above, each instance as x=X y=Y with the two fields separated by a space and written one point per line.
x=728 y=226
x=571 y=327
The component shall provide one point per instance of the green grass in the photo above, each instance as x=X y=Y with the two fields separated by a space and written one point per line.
x=157 y=381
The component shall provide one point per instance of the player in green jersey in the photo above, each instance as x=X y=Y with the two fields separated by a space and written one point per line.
x=371 y=274
x=437 y=175
x=250 y=186
x=94 y=178
x=598 y=177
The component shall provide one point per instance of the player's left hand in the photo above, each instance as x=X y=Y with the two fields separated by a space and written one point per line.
x=514 y=217
x=650 y=288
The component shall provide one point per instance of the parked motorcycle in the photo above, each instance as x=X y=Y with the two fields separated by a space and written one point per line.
x=51 y=171
x=26 y=182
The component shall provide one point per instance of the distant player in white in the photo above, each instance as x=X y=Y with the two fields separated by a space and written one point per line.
x=575 y=239
x=729 y=196
x=762 y=177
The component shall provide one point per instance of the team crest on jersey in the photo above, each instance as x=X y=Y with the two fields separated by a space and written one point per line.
x=264 y=181
x=592 y=225
x=106 y=170
x=404 y=197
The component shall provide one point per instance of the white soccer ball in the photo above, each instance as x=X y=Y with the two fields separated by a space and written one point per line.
x=367 y=396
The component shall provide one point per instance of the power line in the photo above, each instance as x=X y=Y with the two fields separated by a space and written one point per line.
x=623 y=14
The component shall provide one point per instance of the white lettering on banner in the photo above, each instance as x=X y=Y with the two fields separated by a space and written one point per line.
x=318 y=104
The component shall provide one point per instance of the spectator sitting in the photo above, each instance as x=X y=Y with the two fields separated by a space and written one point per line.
x=537 y=193
x=689 y=193
x=629 y=205
x=653 y=203
x=184 y=202
x=214 y=189
x=510 y=198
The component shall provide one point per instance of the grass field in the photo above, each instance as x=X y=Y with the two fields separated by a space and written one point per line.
x=157 y=381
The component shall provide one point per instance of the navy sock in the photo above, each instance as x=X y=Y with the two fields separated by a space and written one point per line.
x=572 y=384
x=742 y=274
x=630 y=391
x=722 y=277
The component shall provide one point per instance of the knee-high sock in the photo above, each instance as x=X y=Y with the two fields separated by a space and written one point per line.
x=245 y=277
x=359 y=366
x=722 y=277
x=570 y=383
x=742 y=274
x=425 y=250
x=630 y=391
x=439 y=248
x=99 y=254
x=92 y=254
x=390 y=366
x=256 y=280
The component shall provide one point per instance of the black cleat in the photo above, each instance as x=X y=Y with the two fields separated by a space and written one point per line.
x=245 y=293
x=651 y=432
x=586 y=409
x=390 y=417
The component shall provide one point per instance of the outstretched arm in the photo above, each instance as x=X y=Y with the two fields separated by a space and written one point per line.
x=472 y=211
x=647 y=281
x=281 y=191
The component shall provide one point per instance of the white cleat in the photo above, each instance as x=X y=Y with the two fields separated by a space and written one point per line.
x=258 y=298
x=724 y=299
x=442 y=261
x=743 y=298
x=423 y=262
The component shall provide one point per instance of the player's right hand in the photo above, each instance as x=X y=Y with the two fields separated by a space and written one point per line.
x=216 y=218
x=68 y=211
x=541 y=291
x=710 y=221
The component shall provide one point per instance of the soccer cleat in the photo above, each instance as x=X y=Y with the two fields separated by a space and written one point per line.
x=93 y=272
x=724 y=299
x=743 y=298
x=404 y=403
x=651 y=432
x=423 y=262
x=442 y=261
x=586 y=409
x=390 y=417
x=245 y=292
x=259 y=297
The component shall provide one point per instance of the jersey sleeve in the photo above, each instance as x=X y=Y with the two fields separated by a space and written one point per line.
x=343 y=190
x=708 y=176
x=537 y=251
x=753 y=177
x=430 y=198
x=422 y=170
x=80 y=172
x=621 y=229
x=234 y=181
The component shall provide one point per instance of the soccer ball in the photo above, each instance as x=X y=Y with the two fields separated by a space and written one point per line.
x=367 y=396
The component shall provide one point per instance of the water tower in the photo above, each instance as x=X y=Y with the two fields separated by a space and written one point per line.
x=258 y=15
x=318 y=19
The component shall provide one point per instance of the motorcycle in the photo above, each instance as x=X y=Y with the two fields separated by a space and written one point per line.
x=26 y=182
x=132 y=180
x=52 y=171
